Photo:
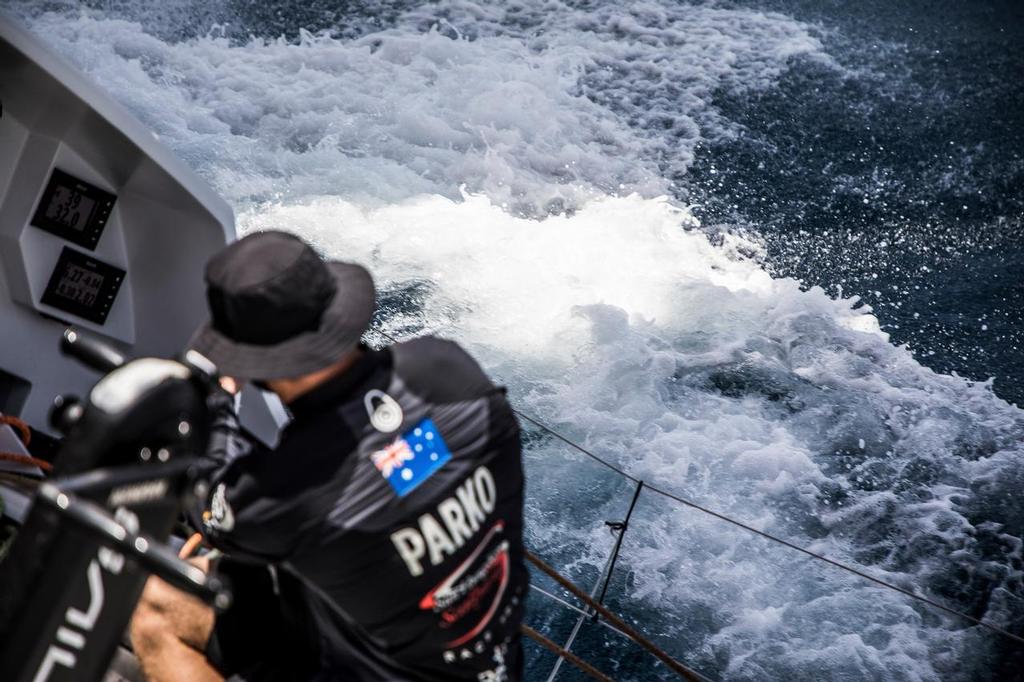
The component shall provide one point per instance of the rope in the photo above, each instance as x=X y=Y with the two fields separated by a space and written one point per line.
x=564 y=653
x=786 y=543
x=26 y=437
x=20 y=425
x=26 y=459
x=653 y=648
x=851 y=569
x=544 y=427
x=574 y=608
x=768 y=536
x=196 y=539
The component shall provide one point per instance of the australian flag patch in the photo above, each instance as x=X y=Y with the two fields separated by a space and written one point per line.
x=413 y=458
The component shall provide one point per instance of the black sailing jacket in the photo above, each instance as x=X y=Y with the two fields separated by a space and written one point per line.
x=396 y=496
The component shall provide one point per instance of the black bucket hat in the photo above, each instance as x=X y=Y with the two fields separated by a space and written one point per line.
x=277 y=310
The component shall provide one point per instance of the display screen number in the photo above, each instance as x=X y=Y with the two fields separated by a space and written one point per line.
x=70 y=208
x=83 y=286
x=73 y=209
x=80 y=285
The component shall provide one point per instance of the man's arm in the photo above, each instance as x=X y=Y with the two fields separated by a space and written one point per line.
x=232 y=516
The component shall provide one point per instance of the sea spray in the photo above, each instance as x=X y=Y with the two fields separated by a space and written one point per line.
x=425 y=147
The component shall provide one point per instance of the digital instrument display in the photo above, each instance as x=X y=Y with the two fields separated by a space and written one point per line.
x=83 y=286
x=73 y=209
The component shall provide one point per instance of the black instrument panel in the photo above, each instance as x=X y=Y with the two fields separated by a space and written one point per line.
x=83 y=286
x=73 y=209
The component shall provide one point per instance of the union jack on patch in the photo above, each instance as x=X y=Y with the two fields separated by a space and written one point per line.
x=392 y=457
x=412 y=458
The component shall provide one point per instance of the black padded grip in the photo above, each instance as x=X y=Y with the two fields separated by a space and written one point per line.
x=90 y=351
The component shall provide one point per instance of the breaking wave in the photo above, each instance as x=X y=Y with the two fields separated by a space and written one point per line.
x=429 y=145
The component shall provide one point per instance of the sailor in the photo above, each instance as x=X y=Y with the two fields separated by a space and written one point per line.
x=382 y=538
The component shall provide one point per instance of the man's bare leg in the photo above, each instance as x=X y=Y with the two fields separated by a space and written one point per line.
x=169 y=632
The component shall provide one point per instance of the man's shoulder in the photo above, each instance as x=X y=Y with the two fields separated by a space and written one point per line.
x=439 y=370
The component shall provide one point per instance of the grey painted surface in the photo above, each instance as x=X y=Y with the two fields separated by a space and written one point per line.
x=165 y=224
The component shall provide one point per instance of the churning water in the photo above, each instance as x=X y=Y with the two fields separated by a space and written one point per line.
x=658 y=223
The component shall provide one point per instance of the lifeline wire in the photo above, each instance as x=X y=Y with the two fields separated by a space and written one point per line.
x=654 y=649
x=773 y=538
x=564 y=653
x=767 y=536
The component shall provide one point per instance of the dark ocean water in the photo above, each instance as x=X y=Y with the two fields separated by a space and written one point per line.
x=873 y=149
x=900 y=181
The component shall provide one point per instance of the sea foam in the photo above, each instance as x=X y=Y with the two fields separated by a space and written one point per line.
x=683 y=362
x=425 y=149
x=539 y=117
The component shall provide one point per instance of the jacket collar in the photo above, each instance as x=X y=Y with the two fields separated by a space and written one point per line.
x=340 y=389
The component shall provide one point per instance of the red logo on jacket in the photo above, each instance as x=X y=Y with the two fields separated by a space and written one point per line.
x=476 y=586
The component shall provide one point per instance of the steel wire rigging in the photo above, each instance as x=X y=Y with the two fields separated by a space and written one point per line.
x=739 y=524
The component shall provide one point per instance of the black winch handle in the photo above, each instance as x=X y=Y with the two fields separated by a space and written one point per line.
x=153 y=556
x=90 y=351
